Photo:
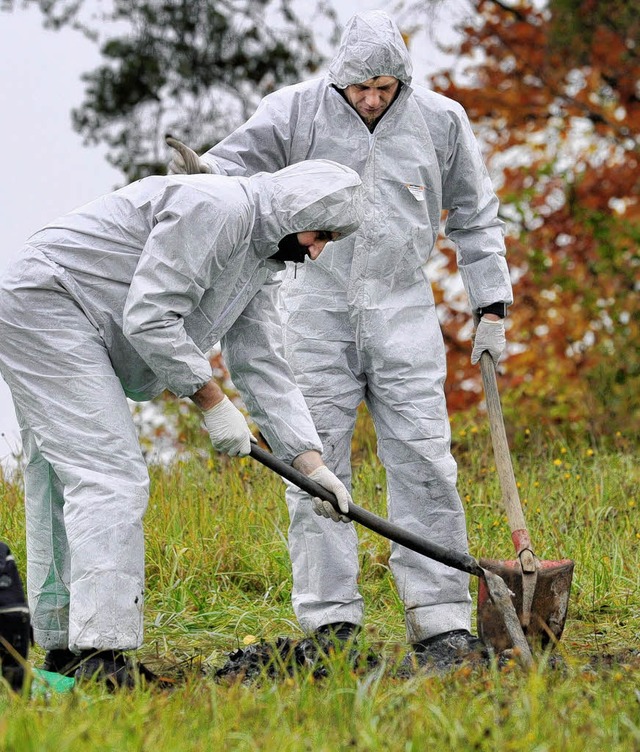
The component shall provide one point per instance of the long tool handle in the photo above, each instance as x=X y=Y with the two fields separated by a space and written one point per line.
x=511 y=498
x=455 y=559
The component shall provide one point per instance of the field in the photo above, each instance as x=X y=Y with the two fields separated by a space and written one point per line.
x=218 y=579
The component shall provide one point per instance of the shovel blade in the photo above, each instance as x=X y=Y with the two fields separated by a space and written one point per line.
x=548 y=609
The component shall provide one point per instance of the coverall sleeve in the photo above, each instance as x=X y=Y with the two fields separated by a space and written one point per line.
x=261 y=144
x=254 y=353
x=472 y=222
x=185 y=255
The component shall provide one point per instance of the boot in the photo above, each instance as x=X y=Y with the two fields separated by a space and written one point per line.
x=448 y=650
x=337 y=634
x=61 y=661
x=114 y=669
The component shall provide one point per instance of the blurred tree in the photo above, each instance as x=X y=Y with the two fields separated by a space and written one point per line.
x=554 y=93
x=194 y=68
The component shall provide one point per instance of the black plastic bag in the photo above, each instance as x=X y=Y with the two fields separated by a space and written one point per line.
x=15 y=624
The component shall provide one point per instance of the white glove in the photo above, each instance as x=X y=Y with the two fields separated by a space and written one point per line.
x=489 y=336
x=228 y=430
x=185 y=161
x=328 y=480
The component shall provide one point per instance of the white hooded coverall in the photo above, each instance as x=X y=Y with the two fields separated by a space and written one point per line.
x=361 y=324
x=123 y=297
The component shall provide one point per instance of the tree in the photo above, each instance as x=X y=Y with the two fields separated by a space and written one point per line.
x=554 y=94
x=195 y=68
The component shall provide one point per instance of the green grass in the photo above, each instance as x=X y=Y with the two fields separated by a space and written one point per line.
x=218 y=573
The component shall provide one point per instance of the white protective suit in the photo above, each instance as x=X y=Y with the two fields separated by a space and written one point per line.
x=361 y=324
x=123 y=297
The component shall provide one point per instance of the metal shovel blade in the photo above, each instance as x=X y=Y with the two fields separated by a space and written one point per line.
x=548 y=609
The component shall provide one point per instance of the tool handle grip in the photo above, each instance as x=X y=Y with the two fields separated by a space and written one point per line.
x=461 y=561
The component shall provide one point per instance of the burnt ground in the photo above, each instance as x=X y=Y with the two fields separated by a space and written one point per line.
x=286 y=657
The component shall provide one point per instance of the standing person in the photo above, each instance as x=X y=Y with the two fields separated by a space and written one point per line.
x=122 y=298
x=362 y=323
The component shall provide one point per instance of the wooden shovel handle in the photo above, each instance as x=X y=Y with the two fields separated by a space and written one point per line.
x=510 y=496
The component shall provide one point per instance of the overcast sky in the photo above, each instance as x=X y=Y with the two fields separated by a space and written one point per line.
x=46 y=169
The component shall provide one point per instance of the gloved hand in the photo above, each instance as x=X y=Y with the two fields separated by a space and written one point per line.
x=489 y=336
x=328 y=480
x=185 y=161
x=228 y=430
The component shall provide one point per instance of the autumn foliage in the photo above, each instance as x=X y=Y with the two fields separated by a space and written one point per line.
x=555 y=97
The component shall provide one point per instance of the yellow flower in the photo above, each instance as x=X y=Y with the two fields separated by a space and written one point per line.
x=631 y=503
x=563 y=450
x=589 y=452
x=557 y=462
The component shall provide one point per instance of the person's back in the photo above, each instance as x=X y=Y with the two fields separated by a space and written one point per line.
x=142 y=282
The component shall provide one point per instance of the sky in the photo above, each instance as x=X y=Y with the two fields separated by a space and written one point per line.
x=47 y=171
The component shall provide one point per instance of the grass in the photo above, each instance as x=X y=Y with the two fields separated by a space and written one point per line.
x=218 y=577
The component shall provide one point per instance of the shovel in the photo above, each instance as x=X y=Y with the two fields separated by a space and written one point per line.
x=503 y=612
x=541 y=588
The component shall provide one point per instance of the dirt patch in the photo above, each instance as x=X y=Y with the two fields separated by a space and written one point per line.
x=286 y=657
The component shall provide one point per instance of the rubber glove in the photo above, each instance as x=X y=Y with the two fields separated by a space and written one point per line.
x=489 y=336
x=228 y=430
x=185 y=161
x=328 y=480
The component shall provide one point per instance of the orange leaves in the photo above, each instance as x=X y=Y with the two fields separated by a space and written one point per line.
x=556 y=93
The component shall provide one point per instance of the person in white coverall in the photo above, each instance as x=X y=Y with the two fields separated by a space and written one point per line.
x=123 y=297
x=361 y=324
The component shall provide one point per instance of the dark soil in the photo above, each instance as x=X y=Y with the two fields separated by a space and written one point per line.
x=286 y=657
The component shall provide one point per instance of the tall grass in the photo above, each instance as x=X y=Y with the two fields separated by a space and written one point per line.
x=218 y=577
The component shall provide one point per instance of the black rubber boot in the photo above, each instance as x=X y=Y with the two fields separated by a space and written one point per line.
x=337 y=634
x=337 y=637
x=458 y=642
x=446 y=651
x=61 y=661
x=15 y=621
x=114 y=669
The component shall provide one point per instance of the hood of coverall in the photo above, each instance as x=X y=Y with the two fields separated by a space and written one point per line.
x=371 y=46
x=313 y=195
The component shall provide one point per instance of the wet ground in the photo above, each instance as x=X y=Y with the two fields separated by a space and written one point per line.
x=287 y=657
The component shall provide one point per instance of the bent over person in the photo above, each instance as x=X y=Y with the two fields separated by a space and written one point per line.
x=361 y=324
x=123 y=298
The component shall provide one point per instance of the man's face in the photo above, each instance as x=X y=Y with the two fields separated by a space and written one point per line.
x=315 y=240
x=371 y=98
x=302 y=245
